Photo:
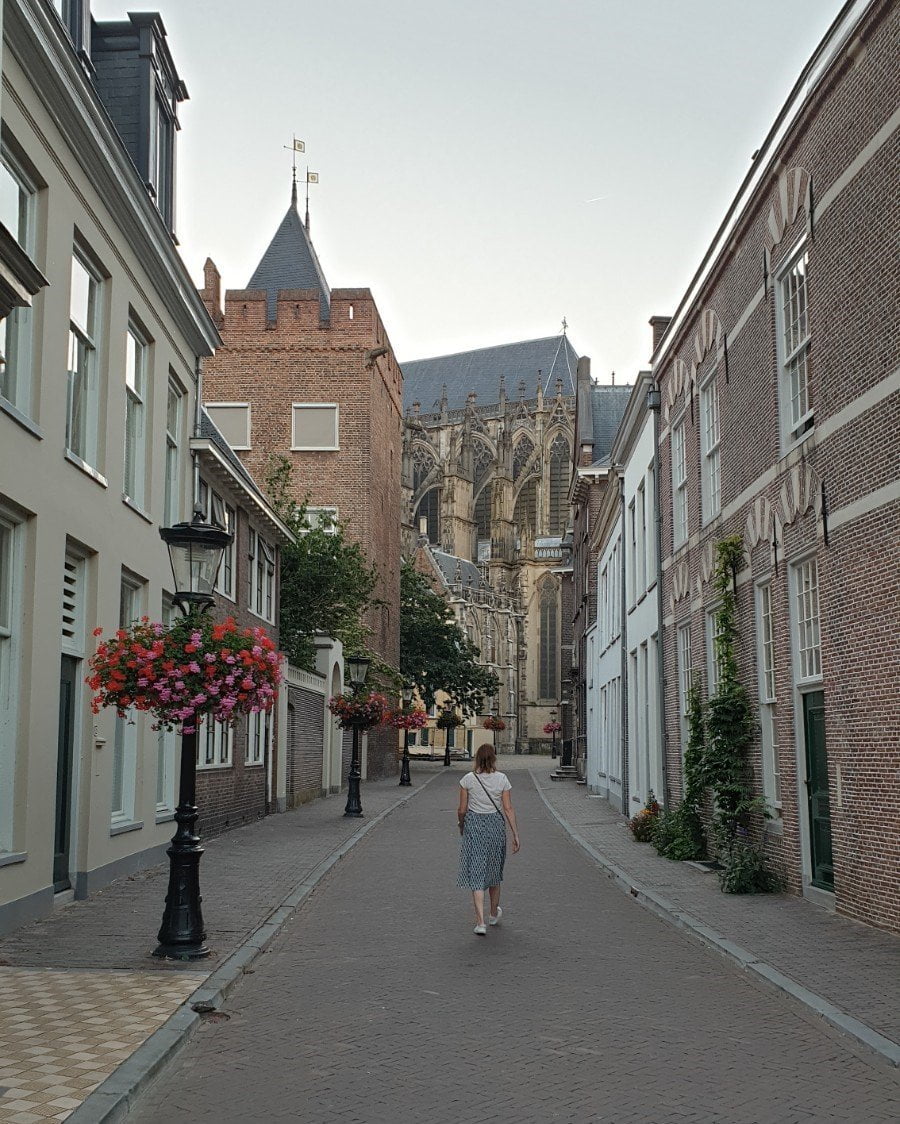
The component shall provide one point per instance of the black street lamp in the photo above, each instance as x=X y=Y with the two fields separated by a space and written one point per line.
x=357 y=670
x=448 y=711
x=553 y=721
x=405 y=778
x=195 y=552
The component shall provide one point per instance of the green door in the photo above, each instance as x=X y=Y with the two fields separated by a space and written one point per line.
x=65 y=761
x=817 y=790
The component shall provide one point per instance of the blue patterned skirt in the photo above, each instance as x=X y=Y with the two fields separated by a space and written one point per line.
x=482 y=851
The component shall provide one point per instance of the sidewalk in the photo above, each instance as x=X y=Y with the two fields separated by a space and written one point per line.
x=79 y=990
x=845 y=971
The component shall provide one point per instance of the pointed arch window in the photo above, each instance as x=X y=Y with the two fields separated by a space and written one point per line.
x=427 y=520
x=548 y=670
x=483 y=512
x=526 y=507
x=560 y=458
x=521 y=456
x=423 y=464
x=483 y=462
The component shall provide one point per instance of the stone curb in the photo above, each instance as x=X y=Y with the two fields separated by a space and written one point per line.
x=886 y=1048
x=114 y=1098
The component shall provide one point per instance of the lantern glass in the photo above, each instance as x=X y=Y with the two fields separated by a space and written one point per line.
x=196 y=550
x=357 y=669
x=407 y=695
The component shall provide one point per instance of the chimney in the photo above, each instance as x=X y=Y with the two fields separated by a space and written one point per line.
x=211 y=293
x=659 y=324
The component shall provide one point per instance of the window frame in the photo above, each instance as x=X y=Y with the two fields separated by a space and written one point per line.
x=680 y=507
x=126 y=740
x=136 y=404
x=261 y=585
x=172 y=491
x=84 y=346
x=210 y=407
x=260 y=730
x=711 y=476
x=18 y=328
x=12 y=574
x=685 y=677
x=335 y=406
x=767 y=696
x=793 y=430
x=806 y=625
x=216 y=752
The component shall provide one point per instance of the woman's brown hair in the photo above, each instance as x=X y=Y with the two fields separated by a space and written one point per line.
x=485 y=759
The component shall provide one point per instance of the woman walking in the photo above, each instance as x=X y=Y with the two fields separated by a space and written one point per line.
x=485 y=808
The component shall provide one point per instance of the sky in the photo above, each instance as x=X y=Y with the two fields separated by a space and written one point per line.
x=487 y=168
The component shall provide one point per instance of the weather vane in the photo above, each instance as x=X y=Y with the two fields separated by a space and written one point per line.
x=311 y=177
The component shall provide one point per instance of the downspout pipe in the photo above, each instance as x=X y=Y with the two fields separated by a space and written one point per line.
x=654 y=402
x=195 y=456
x=623 y=648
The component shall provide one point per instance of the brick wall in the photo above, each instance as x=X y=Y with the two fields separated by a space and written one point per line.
x=300 y=358
x=830 y=497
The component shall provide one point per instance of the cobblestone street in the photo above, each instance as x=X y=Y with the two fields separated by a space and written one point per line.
x=376 y=1004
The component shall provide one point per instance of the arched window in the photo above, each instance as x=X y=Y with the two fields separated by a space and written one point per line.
x=548 y=685
x=429 y=510
x=521 y=456
x=526 y=507
x=483 y=461
x=560 y=459
x=423 y=462
x=483 y=513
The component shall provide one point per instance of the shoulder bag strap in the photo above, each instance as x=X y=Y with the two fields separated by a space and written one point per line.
x=487 y=794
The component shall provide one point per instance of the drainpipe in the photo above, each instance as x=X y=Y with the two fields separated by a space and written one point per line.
x=195 y=456
x=654 y=402
x=623 y=647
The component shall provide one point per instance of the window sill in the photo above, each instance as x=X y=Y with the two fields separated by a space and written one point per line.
x=9 y=858
x=253 y=764
x=96 y=476
x=124 y=828
x=259 y=617
x=21 y=419
x=315 y=448
x=129 y=503
x=213 y=768
x=775 y=826
x=165 y=817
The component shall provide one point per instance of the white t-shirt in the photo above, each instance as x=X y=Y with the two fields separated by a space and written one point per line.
x=479 y=801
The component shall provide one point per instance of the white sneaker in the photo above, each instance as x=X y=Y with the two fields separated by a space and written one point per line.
x=480 y=930
x=494 y=919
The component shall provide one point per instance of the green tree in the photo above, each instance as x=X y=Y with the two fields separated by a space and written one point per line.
x=435 y=653
x=327 y=583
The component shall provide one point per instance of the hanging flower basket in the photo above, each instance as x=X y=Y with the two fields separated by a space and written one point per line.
x=358 y=711
x=448 y=720
x=197 y=667
x=494 y=723
x=552 y=728
x=414 y=719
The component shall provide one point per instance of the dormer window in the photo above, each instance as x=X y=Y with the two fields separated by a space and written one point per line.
x=137 y=82
x=75 y=17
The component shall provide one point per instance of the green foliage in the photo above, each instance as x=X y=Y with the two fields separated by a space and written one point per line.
x=643 y=823
x=327 y=583
x=435 y=653
x=678 y=834
x=745 y=870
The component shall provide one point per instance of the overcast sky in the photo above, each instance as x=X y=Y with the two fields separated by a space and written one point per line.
x=487 y=167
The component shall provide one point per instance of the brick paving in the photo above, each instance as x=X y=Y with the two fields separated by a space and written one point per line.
x=376 y=1004
x=80 y=992
x=854 y=966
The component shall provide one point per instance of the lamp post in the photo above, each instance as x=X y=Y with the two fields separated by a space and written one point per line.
x=407 y=695
x=553 y=748
x=357 y=669
x=448 y=711
x=195 y=554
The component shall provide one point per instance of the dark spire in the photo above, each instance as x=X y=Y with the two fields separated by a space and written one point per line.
x=290 y=262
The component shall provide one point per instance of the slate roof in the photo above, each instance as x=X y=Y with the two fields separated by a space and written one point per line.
x=290 y=262
x=424 y=379
x=469 y=572
x=608 y=405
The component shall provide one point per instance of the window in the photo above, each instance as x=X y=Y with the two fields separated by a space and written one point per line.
x=259 y=737
x=232 y=419
x=10 y=598
x=641 y=543
x=315 y=426
x=767 y=713
x=71 y=13
x=83 y=398
x=525 y=514
x=632 y=554
x=483 y=513
x=261 y=577
x=793 y=349
x=428 y=515
x=215 y=744
x=548 y=687
x=174 y=408
x=135 y=415
x=223 y=515
x=809 y=652
x=162 y=157
x=651 y=523
x=322 y=518
x=17 y=213
x=713 y=663
x=685 y=678
x=560 y=458
x=126 y=735
x=709 y=433
x=679 y=485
